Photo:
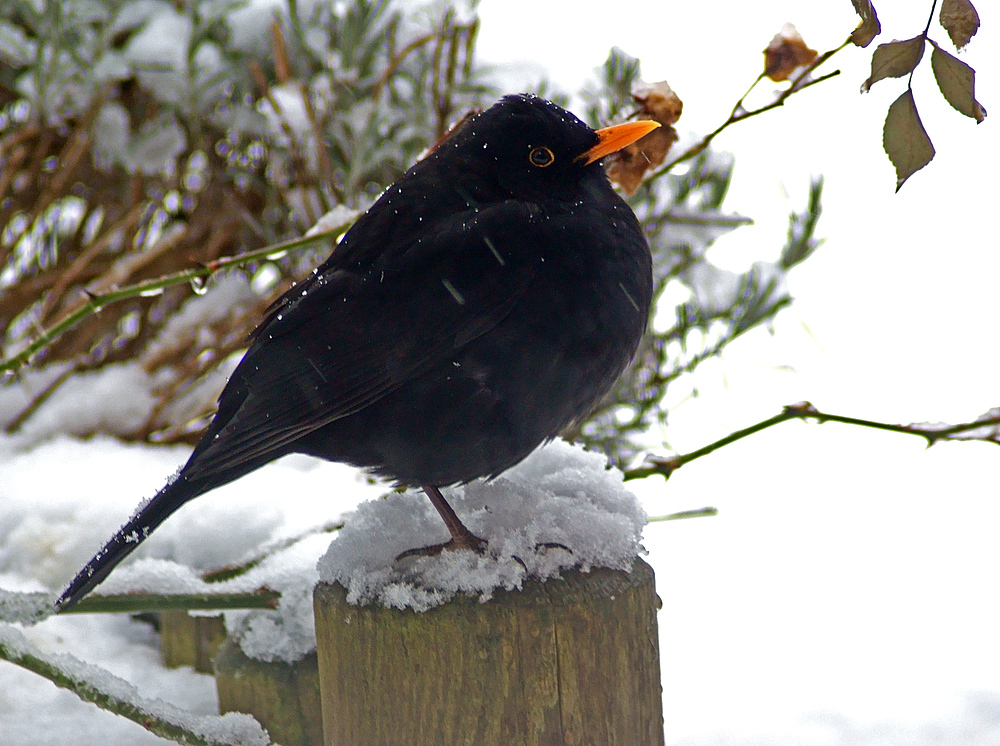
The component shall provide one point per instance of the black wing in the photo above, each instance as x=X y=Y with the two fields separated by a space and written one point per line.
x=350 y=335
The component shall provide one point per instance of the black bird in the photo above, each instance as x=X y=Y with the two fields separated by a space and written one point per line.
x=486 y=301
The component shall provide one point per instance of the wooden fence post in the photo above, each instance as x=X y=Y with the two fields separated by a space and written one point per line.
x=284 y=697
x=563 y=663
x=187 y=640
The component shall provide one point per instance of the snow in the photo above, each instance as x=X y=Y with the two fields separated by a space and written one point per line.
x=233 y=728
x=286 y=634
x=33 y=712
x=158 y=51
x=291 y=111
x=59 y=501
x=715 y=290
x=558 y=495
x=335 y=218
x=70 y=410
x=25 y=608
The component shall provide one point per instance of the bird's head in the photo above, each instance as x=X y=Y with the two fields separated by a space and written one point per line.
x=529 y=148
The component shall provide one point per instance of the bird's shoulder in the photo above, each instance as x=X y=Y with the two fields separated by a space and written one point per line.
x=350 y=334
x=456 y=265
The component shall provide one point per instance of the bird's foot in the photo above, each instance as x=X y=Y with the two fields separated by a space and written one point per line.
x=465 y=541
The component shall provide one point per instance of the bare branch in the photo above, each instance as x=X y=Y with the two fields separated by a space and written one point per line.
x=986 y=428
x=739 y=114
x=152 y=287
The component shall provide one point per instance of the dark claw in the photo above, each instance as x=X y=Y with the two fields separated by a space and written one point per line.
x=470 y=542
x=552 y=545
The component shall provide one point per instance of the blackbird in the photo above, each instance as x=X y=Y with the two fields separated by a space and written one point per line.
x=486 y=301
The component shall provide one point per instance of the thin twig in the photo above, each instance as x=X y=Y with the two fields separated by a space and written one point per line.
x=132 y=603
x=398 y=59
x=156 y=286
x=77 y=145
x=739 y=114
x=927 y=30
x=322 y=155
x=806 y=411
x=698 y=513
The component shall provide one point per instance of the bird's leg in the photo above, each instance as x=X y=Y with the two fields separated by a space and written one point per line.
x=461 y=537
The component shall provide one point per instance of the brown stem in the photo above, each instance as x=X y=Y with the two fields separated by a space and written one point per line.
x=738 y=114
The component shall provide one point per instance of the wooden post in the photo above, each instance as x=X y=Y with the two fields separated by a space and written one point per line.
x=562 y=663
x=187 y=640
x=284 y=697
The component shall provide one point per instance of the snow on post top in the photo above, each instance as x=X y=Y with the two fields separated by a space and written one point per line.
x=559 y=495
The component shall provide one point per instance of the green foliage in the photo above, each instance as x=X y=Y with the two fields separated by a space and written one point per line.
x=611 y=96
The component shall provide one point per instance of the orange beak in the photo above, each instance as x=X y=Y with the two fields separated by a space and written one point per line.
x=612 y=139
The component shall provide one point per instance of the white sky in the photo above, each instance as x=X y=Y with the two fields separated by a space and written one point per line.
x=850 y=571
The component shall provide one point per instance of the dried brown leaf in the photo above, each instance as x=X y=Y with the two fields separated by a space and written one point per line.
x=657 y=101
x=904 y=138
x=786 y=53
x=894 y=60
x=869 y=27
x=960 y=20
x=957 y=82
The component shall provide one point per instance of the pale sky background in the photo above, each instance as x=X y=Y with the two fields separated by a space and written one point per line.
x=849 y=571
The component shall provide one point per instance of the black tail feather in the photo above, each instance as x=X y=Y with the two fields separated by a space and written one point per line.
x=130 y=536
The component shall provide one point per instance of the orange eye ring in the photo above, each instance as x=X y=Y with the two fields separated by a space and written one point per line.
x=541 y=157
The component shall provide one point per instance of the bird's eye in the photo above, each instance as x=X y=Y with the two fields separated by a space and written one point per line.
x=541 y=157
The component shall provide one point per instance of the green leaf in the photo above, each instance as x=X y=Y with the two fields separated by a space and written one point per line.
x=960 y=20
x=957 y=82
x=905 y=140
x=894 y=60
x=869 y=27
